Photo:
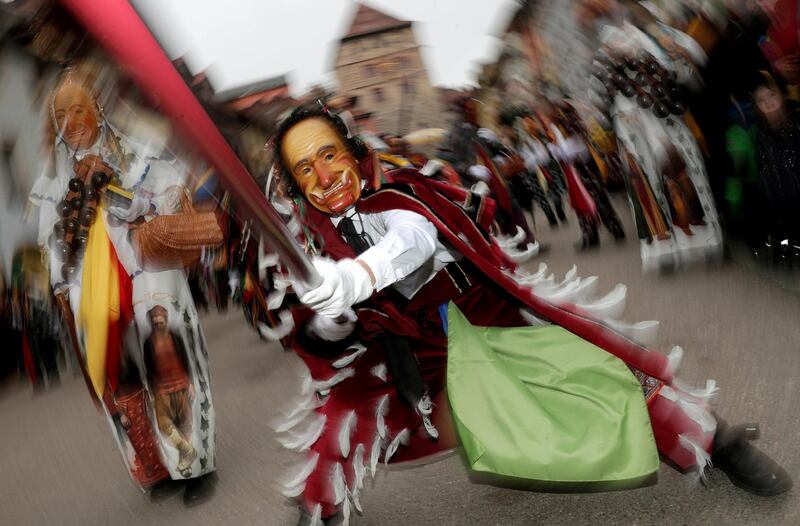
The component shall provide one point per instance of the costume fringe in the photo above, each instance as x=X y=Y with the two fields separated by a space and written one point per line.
x=702 y=458
x=298 y=479
x=381 y=411
x=323 y=387
x=344 y=361
x=281 y=331
x=610 y=306
x=644 y=332
x=359 y=469
x=694 y=409
x=375 y=454
x=675 y=357
x=402 y=438
x=380 y=371
x=348 y=425
x=303 y=441
x=316 y=516
x=339 y=484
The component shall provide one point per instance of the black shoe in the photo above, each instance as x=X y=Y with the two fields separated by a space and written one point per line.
x=746 y=466
x=199 y=490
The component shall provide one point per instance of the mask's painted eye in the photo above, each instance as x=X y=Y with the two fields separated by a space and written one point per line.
x=329 y=157
x=306 y=170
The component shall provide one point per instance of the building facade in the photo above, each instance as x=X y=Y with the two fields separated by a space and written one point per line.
x=379 y=63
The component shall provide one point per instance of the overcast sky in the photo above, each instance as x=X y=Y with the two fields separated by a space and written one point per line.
x=239 y=41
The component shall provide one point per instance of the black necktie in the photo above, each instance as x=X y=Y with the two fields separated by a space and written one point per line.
x=359 y=241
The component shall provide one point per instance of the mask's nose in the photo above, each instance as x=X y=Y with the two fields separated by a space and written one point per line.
x=325 y=175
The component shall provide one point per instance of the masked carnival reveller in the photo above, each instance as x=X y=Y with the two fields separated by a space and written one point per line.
x=108 y=211
x=535 y=380
x=638 y=79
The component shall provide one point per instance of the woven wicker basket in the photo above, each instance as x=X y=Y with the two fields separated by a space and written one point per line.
x=175 y=241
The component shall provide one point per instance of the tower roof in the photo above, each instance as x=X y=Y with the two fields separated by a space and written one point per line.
x=369 y=20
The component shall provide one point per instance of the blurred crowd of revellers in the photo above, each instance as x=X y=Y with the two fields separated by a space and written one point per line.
x=691 y=111
x=692 y=108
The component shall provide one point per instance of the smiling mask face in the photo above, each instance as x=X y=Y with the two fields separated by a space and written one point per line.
x=321 y=165
x=74 y=117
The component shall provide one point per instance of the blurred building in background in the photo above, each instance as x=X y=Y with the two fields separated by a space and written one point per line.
x=247 y=115
x=379 y=63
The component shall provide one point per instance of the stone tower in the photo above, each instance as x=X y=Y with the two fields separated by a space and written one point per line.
x=379 y=62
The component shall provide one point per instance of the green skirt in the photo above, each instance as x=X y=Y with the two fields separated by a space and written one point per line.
x=541 y=404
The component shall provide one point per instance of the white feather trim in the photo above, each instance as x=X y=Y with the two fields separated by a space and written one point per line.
x=610 y=306
x=643 y=332
x=571 y=274
x=356 y=498
x=709 y=392
x=338 y=483
x=316 y=516
x=702 y=458
x=506 y=242
x=308 y=384
x=375 y=454
x=531 y=319
x=521 y=256
x=346 y=512
x=380 y=412
x=344 y=361
x=402 y=438
x=379 y=371
x=323 y=387
x=294 y=491
x=526 y=279
x=269 y=260
x=348 y=424
x=290 y=422
x=675 y=357
x=359 y=469
x=561 y=293
x=281 y=331
x=306 y=439
x=305 y=404
x=299 y=477
x=275 y=299
x=694 y=409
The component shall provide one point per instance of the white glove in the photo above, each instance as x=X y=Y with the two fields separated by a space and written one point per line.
x=344 y=283
x=139 y=207
x=479 y=172
x=333 y=330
